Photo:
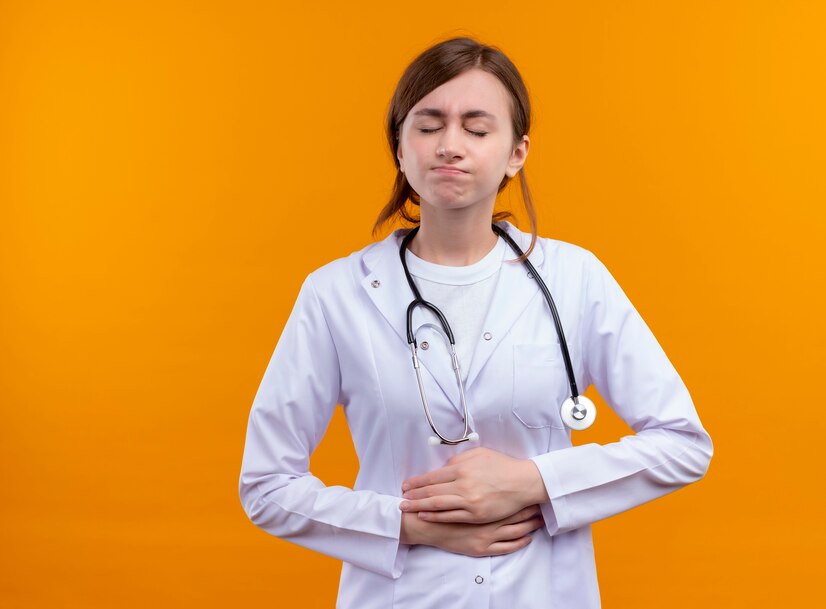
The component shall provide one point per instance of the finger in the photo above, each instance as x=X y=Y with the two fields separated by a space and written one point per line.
x=514 y=531
x=499 y=548
x=423 y=492
x=455 y=516
x=523 y=514
x=433 y=504
x=437 y=476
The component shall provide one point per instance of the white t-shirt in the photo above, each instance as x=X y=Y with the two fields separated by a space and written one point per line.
x=463 y=295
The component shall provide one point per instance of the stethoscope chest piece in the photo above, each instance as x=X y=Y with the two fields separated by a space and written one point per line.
x=578 y=416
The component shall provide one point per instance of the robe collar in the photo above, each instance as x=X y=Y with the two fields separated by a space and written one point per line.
x=388 y=290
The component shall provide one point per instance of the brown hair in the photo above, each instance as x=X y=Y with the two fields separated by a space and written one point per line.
x=431 y=69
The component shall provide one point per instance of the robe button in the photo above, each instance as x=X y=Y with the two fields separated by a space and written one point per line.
x=375 y=283
x=479 y=579
x=487 y=335
x=530 y=275
x=425 y=345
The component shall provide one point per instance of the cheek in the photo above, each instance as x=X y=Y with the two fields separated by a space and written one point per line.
x=414 y=158
x=415 y=151
x=496 y=164
x=505 y=160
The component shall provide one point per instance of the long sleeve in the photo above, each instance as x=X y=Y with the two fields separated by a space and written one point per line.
x=669 y=449
x=290 y=413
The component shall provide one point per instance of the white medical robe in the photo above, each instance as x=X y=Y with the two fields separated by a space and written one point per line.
x=345 y=343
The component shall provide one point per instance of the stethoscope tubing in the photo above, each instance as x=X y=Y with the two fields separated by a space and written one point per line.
x=563 y=344
x=418 y=301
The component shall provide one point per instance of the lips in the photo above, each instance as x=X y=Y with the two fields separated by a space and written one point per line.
x=449 y=170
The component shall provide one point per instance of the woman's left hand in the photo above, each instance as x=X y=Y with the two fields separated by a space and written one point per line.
x=477 y=486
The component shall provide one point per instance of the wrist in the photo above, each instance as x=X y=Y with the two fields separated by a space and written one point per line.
x=532 y=485
x=412 y=532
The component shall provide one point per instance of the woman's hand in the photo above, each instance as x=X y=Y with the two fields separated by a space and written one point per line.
x=477 y=486
x=490 y=539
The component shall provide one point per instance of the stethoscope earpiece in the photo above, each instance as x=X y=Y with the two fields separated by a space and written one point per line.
x=578 y=415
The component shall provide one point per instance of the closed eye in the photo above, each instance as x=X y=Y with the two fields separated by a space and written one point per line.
x=476 y=133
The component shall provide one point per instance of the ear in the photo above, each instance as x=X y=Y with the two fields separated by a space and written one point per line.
x=518 y=156
x=399 y=154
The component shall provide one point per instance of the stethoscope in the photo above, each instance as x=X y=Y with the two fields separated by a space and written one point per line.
x=577 y=412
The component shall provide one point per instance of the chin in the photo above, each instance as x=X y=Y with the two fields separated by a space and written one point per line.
x=451 y=203
x=447 y=200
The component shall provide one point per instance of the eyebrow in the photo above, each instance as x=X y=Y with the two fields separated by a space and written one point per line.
x=439 y=114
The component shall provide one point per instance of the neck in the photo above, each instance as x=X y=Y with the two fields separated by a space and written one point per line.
x=456 y=237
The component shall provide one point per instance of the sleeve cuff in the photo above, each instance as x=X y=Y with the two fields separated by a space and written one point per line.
x=396 y=551
x=555 y=513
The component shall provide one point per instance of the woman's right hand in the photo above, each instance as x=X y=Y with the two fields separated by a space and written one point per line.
x=489 y=539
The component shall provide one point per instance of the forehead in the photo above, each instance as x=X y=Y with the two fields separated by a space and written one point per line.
x=469 y=91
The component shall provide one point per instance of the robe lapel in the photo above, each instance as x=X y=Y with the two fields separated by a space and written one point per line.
x=514 y=291
x=387 y=287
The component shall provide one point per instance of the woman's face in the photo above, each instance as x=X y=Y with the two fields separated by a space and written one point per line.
x=456 y=144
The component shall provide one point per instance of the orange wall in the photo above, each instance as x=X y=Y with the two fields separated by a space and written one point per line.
x=170 y=172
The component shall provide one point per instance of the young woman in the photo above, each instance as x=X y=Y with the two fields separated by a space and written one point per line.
x=470 y=493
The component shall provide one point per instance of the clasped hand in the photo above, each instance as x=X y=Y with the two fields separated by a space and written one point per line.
x=477 y=486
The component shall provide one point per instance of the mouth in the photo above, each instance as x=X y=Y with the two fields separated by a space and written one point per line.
x=449 y=170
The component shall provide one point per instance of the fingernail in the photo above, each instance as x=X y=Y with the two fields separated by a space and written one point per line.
x=404 y=505
x=405 y=487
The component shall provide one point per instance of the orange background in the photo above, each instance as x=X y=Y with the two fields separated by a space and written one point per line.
x=171 y=171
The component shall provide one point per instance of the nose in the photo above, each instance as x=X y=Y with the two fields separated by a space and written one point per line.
x=449 y=144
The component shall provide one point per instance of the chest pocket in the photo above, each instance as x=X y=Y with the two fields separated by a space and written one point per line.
x=539 y=382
